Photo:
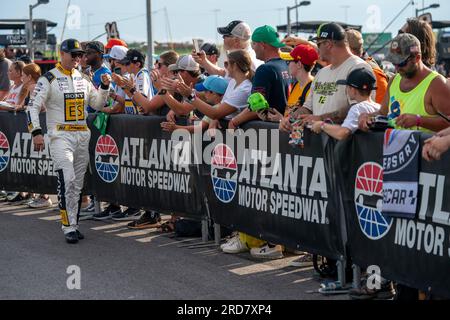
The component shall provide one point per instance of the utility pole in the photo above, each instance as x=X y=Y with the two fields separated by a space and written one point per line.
x=149 y=34
x=345 y=7
x=301 y=4
x=216 y=11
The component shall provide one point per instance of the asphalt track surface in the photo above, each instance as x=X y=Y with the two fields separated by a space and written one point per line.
x=122 y=264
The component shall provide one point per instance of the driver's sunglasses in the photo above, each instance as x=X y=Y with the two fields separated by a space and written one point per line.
x=404 y=63
x=77 y=55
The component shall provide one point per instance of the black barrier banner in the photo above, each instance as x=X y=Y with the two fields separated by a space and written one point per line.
x=138 y=165
x=283 y=196
x=414 y=252
x=21 y=168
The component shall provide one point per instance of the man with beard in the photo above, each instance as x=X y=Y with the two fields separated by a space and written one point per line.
x=416 y=93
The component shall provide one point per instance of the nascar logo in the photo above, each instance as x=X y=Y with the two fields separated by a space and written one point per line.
x=369 y=201
x=4 y=152
x=107 y=158
x=224 y=173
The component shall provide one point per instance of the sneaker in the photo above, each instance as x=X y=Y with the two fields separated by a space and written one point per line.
x=149 y=220
x=40 y=203
x=386 y=292
x=305 y=260
x=267 y=251
x=80 y=235
x=85 y=216
x=3 y=195
x=89 y=208
x=71 y=237
x=234 y=245
x=21 y=200
x=13 y=196
x=129 y=214
x=233 y=235
x=107 y=213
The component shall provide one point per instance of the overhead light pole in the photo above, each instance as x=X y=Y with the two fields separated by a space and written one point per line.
x=301 y=4
x=433 y=6
x=30 y=28
x=149 y=34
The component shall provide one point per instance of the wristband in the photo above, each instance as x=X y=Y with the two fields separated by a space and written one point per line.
x=162 y=92
x=418 y=121
x=104 y=86
x=191 y=97
x=132 y=91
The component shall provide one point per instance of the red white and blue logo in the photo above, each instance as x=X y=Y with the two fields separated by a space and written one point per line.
x=107 y=158
x=224 y=173
x=4 y=152
x=369 y=201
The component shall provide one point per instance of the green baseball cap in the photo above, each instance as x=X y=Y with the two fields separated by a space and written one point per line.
x=269 y=35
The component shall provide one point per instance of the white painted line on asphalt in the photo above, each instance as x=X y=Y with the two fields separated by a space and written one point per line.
x=110 y=226
x=303 y=280
x=148 y=239
x=51 y=218
x=257 y=268
x=117 y=230
x=29 y=213
x=135 y=233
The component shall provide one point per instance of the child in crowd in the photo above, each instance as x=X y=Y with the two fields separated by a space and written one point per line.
x=360 y=84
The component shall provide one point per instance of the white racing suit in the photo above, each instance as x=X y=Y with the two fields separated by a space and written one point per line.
x=66 y=95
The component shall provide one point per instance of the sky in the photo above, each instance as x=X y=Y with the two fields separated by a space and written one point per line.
x=182 y=20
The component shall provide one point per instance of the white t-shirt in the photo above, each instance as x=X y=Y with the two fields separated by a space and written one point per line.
x=237 y=96
x=326 y=96
x=351 y=122
x=13 y=95
x=143 y=83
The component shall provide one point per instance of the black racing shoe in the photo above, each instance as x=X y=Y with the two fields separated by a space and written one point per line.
x=80 y=235
x=107 y=213
x=149 y=220
x=71 y=237
x=128 y=215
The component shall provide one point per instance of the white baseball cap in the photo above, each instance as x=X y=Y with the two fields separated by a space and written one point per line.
x=117 y=53
x=238 y=29
x=185 y=62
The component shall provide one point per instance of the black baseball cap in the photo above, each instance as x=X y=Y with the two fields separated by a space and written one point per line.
x=209 y=48
x=330 y=31
x=96 y=46
x=362 y=79
x=71 y=46
x=133 y=56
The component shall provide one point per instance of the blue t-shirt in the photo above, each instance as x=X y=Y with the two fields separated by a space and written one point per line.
x=97 y=80
x=272 y=80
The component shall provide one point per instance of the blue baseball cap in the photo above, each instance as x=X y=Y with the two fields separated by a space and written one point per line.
x=215 y=84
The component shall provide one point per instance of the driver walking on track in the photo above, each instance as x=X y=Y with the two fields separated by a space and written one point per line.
x=66 y=93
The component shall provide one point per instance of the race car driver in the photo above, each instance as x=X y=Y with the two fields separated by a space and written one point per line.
x=66 y=94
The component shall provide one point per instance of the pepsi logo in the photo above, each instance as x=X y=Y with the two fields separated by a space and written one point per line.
x=107 y=158
x=224 y=173
x=369 y=201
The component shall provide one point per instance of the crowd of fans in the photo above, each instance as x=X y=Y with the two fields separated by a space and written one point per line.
x=328 y=84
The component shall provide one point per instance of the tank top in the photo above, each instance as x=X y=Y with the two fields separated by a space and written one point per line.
x=13 y=95
x=412 y=102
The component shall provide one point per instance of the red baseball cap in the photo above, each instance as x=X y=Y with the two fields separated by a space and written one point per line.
x=115 y=42
x=306 y=54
